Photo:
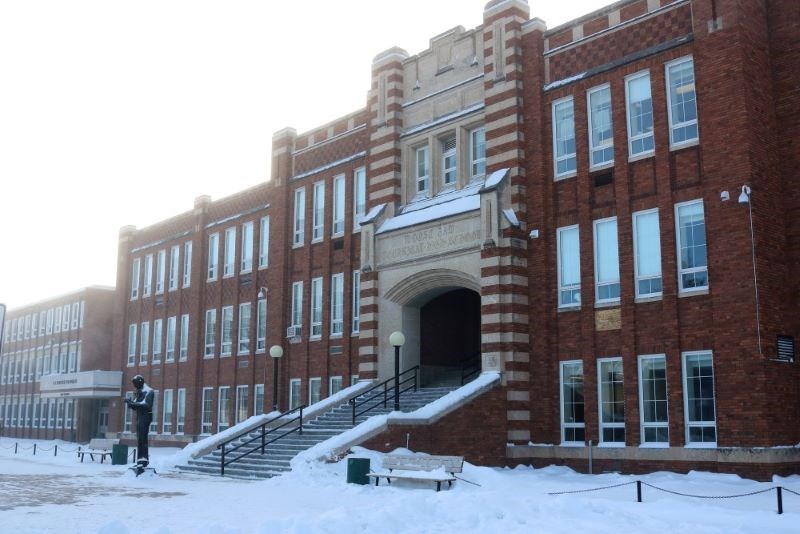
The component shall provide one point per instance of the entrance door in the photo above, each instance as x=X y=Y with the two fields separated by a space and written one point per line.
x=102 y=419
x=450 y=337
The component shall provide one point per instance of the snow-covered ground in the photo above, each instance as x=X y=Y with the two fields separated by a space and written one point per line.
x=44 y=493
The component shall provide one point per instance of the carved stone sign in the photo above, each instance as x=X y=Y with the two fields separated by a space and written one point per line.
x=430 y=240
x=608 y=319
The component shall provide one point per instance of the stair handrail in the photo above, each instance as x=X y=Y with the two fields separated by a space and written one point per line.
x=470 y=367
x=262 y=436
x=384 y=394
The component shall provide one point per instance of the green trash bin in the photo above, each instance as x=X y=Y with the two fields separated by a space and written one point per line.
x=119 y=454
x=357 y=469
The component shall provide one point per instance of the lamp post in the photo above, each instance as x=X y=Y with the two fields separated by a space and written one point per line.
x=276 y=352
x=396 y=339
x=744 y=198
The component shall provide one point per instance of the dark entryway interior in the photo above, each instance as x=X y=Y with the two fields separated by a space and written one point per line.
x=450 y=340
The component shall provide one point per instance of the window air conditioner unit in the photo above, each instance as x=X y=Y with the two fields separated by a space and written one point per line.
x=293 y=331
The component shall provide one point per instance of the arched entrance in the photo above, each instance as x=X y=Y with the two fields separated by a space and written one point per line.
x=450 y=337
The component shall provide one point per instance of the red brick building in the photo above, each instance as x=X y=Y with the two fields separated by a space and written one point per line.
x=55 y=379
x=603 y=212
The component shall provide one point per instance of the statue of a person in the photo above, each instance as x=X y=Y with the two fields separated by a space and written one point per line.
x=142 y=404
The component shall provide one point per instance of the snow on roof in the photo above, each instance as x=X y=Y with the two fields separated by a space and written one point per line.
x=432 y=213
x=494 y=179
x=511 y=217
x=564 y=81
x=372 y=214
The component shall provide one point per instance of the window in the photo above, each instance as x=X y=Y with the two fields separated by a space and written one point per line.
x=698 y=399
x=247 y=247
x=449 y=161
x=359 y=196
x=131 y=348
x=242 y=403
x=27 y=323
x=187 y=264
x=653 y=399
x=156 y=409
x=297 y=304
x=573 y=424
x=157 y=333
x=244 y=328
x=299 y=216
x=213 y=256
x=337 y=304
x=682 y=108
x=148 y=274
x=477 y=153
x=65 y=323
x=184 y=347
x=606 y=261
x=640 y=114
x=261 y=325
x=601 y=130
x=174 y=254
x=144 y=342
x=314 y=389
x=334 y=385
x=612 y=401
x=56 y=323
x=647 y=253
x=258 y=399
x=171 y=322
x=207 y=407
x=51 y=409
x=75 y=316
x=160 y=271
x=564 y=137
x=35 y=319
x=134 y=284
x=229 y=267
x=318 y=214
x=59 y=416
x=692 y=254
x=226 y=336
x=81 y=312
x=338 y=205
x=421 y=169
x=316 y=307
x=43 y=316
x=294 y=393
x=210 y=338
x=356 y=301
x=223 y=418
x=180 y=422
x=569 y=267
x=263 y=245
x=166 y=421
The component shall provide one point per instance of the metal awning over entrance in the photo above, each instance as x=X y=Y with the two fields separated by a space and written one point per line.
x=83 y=385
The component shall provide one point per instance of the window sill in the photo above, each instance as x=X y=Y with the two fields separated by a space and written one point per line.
x=602 y=166
x=686 y=144
x=337 y=236
x=262 y=267
x=692 y=293
x=225 y=276
x=607 y=304
x=208 y=357
x=183 y=360
x=565 y=176
x=246 y=271
x=315 y=338
x=223 y=355
x=335 y=336
x=243 y=354
x=572 y=444
x=298 y=245
x=654 y=446
x=640 y=157
x=563 y=309
x=642 y=300
x=610 y=445
x=317 y=240
x=700 y=445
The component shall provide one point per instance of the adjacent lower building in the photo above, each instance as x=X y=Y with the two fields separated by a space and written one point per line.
x=603 y=212
x=55 y=376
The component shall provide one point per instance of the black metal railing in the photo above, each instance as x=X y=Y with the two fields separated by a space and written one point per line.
x=470 y=368
x=381 y=394
x=263 y=434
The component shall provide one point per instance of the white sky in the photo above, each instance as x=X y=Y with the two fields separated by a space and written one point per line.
x=115 y=113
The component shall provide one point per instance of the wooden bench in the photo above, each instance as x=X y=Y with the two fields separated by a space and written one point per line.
x=434 y=468
x=98 y=447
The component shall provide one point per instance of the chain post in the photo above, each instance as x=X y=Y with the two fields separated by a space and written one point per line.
x=638 y=491
x=780 y=500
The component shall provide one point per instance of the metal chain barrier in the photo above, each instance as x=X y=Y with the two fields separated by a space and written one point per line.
x=790 y=491
x=708 y=496
x=591 y=489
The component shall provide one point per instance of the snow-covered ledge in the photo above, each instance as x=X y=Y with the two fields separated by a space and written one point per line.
x=429 y=414
x=207 y=445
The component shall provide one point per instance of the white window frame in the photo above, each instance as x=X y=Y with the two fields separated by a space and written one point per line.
x=184 y=342
x=246 y=264
x=207 y=411
x=213 y=256
x=477 y=153
x=135 y=282
x=422 y=181
x=210 y=341
x=187 y=264
x=356 y=311
x=359 y=197
x=65 y=316
x=610 y=425
x=599 y=147
x=314 y=382
x=180 y=412
x=161 y=268
x=318 y=213
x=571 y=425
x=144 y=342
x=243 y=337
x=242 y=403
x=602 y=249
x=158 y=334
x=295 y=386
x=148 y=275
x=646 y=425
x=170 y=341
x=298 y=239
x=132 y=340
x=449 y=161
x=655 y=250
x=675 y=126
x=261 y=325
x=229 y=260
x=223 y=415
x=226 y=341
x=263 y=243
x=166 y=419
x=337 y=223
x=689 y=424
x=315 y=318
x=174 y=264
x=573 y=289
x=258 y=395
x=643 y=153
x=297 y=304
x=560 y=137
x=678 y=243
x=337 y=305
x=331 y=383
